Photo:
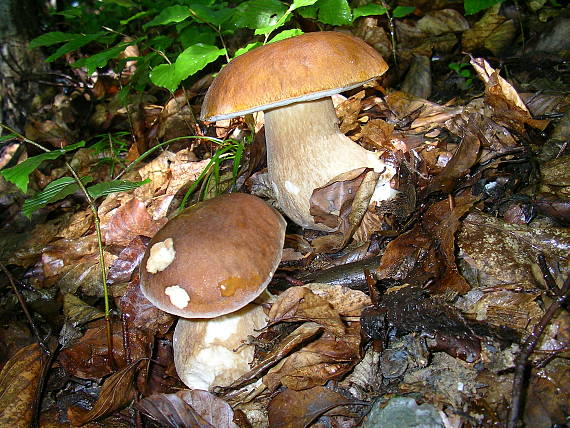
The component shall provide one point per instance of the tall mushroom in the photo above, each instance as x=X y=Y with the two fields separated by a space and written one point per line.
x=211 y=261
x=292 y=82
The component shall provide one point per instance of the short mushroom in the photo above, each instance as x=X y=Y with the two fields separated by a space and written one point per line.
x=211 y=261
x=292 y=81
x=213 y=258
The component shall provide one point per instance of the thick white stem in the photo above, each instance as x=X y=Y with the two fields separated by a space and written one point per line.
x=305 y=150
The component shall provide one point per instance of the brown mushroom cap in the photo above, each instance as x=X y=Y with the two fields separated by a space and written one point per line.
x=213 y=258
x=302 y=68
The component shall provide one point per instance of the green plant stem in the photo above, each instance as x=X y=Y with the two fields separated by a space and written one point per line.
x=97 y=222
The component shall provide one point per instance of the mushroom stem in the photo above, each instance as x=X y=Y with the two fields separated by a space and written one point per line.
x=306 y=150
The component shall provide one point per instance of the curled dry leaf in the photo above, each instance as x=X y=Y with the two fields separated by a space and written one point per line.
x=348 y=302
x=301 y=304
x=190 y=409
x=458 y=166
x=117 y=391
x=328 y=357
x=19 y=380
x=508 y=107
x=297 y=409
x=123 y=224
x=428 y=250
x=302 y=334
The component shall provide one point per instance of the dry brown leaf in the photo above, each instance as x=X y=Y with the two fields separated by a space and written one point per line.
x=428 y=250
x=328 y=357
x=303 y=334
x=128 y=221
x=458 y=166
x=19 y=380
x=378 y=133
x=476 y=36
x=189 y=409
x=348 y=302
x=117 y=391
x=442 y=21
x=64 y=254
x=301 y=304
x=297 y=409
x=507 y=106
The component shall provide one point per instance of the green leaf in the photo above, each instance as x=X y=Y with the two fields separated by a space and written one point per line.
x=368 y=10
x=78 y=41
x=285 y=34
x=334 y=12
x=195 y=58
x=7 y=137
x=196 y=33
x=93 y=62
x=255 y=14
x=209 y=15
x=474 y=6
x=176 y=13
x=309 y=12
x=401 y=11
x=106 y=188
x=302 y=3
x=247 y=48
x=189 y=62
x=20 y=174
x=53 y=192
x=134 y=17
x=53 y=38
x=71 y=13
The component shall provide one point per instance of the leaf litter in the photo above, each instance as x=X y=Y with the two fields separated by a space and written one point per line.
x=458 y=273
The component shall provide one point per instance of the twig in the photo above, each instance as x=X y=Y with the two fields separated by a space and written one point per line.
x=527 y=349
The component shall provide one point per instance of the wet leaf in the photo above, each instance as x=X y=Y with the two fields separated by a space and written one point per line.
x=77 y=312
x=296 y=409
x=117 y=391
x=301 y=304
x=508 y=252
x=128 y=260
x=19 y=380
x=141 y=313
x=88 y=358
x=190 y=409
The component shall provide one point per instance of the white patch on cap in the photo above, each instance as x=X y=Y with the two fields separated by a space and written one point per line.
x=291 y=188
x=161 y=255
x=178 y=296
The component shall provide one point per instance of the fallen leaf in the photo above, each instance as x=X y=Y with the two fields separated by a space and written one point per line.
x=301 y=304
x=117 y=391
x=189 y=409
x=129 y=220
x=19 y=381
x=297 y=409
x=328 y=357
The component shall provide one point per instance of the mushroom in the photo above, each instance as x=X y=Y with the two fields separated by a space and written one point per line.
x=211 y=261
x=292 y=81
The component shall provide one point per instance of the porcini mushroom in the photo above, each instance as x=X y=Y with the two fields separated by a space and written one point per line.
x=213 y=258
x=292 y=81
x=210 y=261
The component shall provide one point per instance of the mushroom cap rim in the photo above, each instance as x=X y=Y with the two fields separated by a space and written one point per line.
x=281 y=103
